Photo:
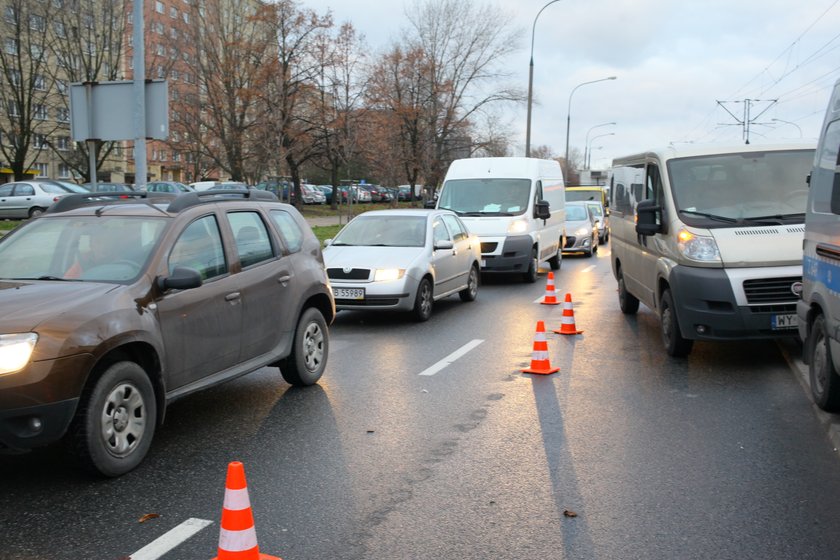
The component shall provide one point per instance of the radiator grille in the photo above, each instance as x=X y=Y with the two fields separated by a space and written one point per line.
x=771 y=290
x=354 y=274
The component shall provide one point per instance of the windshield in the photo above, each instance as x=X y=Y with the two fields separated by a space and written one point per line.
x=506 y=197
x=384 y=231
x=87 y=248
x=573 y=195
x=576 y=213
x=758 y=186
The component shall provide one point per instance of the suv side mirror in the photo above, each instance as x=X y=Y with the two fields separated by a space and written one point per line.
x=443 y=245
x=646 y=214
x=542 y=211
x=182 y=278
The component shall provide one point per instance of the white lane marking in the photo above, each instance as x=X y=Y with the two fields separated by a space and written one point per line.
x=589 y=268
x=539 y=299
x=451 y=357
x=171 y=539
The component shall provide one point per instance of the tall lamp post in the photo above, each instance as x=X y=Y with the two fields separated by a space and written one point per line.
x=531 y=82
x=791 y=123
x=589 y=146
x=569 y=112
x=586 y=143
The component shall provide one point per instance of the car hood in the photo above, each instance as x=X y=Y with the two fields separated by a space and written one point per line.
x=371 y=257
x=28 y=303
x=572 y=226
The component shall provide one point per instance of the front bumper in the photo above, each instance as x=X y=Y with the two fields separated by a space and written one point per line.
x=506 y=254
x=395 y=296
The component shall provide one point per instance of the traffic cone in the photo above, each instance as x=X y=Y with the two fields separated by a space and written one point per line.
x=567 y=324
x=539 y=359
x=238 y=537
x=550 y=297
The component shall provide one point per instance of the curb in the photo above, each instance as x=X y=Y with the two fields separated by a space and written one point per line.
x=830 y=421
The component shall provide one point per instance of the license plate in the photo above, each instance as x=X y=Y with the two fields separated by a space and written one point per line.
x=349 y=293
x=788 y=321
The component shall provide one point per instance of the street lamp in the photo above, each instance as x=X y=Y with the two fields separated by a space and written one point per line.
x=585 y=161
x=569 y=112
x=791 y=123
x=531 y=82
x=586 y=143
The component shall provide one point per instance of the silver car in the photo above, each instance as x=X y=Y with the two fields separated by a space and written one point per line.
x=602 y=221
x=581 y=230
x=403 y=260
x=28 y=199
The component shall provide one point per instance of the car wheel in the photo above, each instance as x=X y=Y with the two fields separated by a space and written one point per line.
x=310 y=348
x=423 y=301
x=533 y=266
x=115 y=422
x=675 y=344
x=628 y=303
x=471 y=291
x=825 y=382
x=35 y=211
x=555 y=261
x=606 y=237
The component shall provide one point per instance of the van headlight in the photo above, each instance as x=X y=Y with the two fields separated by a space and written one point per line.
x=518 y=226
x=697 y=247
x=15 y=351
x=388 y=274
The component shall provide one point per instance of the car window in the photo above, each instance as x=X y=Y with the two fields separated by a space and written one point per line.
x=440 y=232
x=251 y=237
x=51 y=188
x=455 y=226
x=289 y=230
x=6 y=190
x=200 y=247
x=24 y=190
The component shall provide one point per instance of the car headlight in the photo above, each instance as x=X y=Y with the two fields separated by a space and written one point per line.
x=388 y=274
x=518 y=226
x=580 y=232
x=698 y=247
x=15 y=351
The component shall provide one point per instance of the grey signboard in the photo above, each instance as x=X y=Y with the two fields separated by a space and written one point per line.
x=105 y=111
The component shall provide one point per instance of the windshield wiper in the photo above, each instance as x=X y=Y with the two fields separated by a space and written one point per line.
x=710 y=216
x=458 y=212
x=342 y=244
x=775 y=217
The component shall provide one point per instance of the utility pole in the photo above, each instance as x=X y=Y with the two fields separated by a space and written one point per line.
x=747 y=118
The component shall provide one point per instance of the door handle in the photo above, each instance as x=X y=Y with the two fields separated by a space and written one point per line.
x=232 y=296
x=285 y=278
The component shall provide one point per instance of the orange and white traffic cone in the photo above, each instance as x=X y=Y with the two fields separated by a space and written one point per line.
x=238 y=537
x=550 y=297
x=539 y=359
x=567 y=324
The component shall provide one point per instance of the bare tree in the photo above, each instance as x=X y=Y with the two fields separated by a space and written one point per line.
x=464 y=47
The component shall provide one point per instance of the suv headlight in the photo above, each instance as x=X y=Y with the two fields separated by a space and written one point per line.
x=698 y=247
x=15 y=351
x=388 y=274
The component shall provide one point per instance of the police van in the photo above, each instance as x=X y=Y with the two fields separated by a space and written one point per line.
x=819 y=309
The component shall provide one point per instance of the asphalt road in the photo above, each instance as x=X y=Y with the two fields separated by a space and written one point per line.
x=426 y=441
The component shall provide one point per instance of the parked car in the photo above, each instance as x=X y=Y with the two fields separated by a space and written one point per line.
x=581 y=229
x=403 y=260
x=602 y=220
x=66 y=185
x=108 y=187
x=328 y=192
x=203 y=185
x=28 y=199
x=310 y=194
x=169 y=295
x=405 y=192
x=173 y=187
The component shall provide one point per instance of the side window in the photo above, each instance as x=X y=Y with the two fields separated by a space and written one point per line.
x=458 y=231
x=289 y=230
x=251 y=237
x=653 y=189
x=24 y=190
x=200 y=247
x=829 y=163
x=439 y=231
x=6 y=190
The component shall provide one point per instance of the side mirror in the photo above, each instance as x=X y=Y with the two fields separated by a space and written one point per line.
x=542 y=211
x=646 y=218
x=429 y=204
x=182 y=278
x=328 y=242
x=444 y=244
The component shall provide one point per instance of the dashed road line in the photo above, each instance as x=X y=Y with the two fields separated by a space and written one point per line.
x=170 y=539
x=451 y=357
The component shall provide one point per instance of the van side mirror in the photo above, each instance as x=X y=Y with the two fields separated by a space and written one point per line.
x=646 y=218
x=542 y=211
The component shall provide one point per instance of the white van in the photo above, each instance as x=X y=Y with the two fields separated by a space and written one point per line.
x=711 y=239
x=515 y=205
x=819 y=309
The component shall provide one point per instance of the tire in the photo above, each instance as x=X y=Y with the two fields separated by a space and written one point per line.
x=628 y=303
x=35 y=211
x=533 y=268
x=672 y=338
x=825 y=382
x=423 y=301
x=471 y=291
x=555 y=261
x=606 y=238
x=306 y=363
x=115 y=423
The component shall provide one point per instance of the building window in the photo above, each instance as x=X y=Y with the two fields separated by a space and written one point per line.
x=176 y=156
x=10 y=13
x=11 y=46
x=37 y=23
x=62 y=143
x=62 y=114
x=186 y=17
x=42 y=169
x=61 y=86
x=41 y=112
x=14 y=110
x=159 y=7
x=14 y=77
x=173 y=12
x=40 y=141
x=160 y=50
x=63 y=171
x=58 y=28
x=173 y=32
x=40 y=82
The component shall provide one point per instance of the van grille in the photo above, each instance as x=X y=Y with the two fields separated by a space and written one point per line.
x=489 y=247
x=771 y=290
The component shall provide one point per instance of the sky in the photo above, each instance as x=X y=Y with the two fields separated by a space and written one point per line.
x=673 y=60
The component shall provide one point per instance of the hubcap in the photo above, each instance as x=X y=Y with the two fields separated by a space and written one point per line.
x=123 y=419
x=313 y=346
x=819 y=365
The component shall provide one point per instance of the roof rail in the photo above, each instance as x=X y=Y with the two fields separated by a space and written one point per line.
x=217 y=195
x=77 y=200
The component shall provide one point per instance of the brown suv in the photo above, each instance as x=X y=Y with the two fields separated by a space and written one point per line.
x=113 y=308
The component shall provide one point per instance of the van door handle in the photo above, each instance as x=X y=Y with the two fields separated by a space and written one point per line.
x=232 y=296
